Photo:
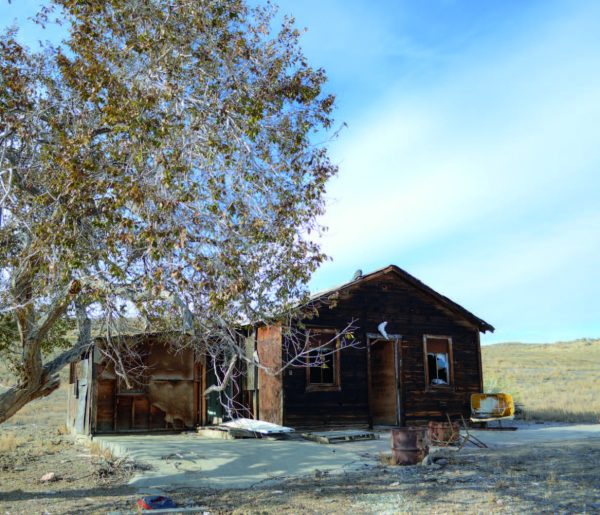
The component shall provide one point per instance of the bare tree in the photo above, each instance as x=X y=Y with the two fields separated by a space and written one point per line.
x=157 y=163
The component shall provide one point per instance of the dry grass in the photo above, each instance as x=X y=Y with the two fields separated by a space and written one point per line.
x=557 y=382
x=9 y=442
x=47 y=411
x=63 y=430
x=386 y=458
x=100 y=452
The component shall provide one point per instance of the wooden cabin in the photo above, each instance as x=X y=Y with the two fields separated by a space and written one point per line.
x=423 y=364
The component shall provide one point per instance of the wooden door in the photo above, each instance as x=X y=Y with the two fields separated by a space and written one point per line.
x=384 y=394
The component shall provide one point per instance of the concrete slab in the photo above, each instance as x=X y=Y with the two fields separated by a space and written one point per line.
x=531 y=432
x=188 y=460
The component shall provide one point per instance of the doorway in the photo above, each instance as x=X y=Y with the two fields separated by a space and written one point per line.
x=384 y=379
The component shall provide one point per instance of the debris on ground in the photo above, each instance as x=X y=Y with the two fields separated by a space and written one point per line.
x=116 y=468
x=156 y=502
x=257 y=426
x=330 y=437
x=245 y=428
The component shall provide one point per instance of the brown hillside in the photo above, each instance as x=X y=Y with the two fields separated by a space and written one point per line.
x=559 y=381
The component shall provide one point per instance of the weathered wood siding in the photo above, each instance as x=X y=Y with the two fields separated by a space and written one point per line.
x=410 y=313
x=167 y=398
x=105 y=405
x=79 y=396
x=270 y=390
x=346 y=407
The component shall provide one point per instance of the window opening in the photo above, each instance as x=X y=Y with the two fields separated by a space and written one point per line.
x=438 y=351
x=322 y=360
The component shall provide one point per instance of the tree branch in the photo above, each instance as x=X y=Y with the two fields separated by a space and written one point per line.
x=223 y=385
x=57 y=309
x=84 y=343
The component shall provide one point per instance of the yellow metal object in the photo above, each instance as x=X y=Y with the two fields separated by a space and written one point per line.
x=491 y=406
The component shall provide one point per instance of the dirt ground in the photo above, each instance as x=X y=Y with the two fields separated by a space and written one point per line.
x=558 y=477
x=84 y=482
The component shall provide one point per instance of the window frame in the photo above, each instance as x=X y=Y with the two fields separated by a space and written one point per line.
x=325 y=387
x=428 y=385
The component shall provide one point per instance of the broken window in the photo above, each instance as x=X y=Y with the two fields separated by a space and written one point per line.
x=322 y=360
x=438 y=362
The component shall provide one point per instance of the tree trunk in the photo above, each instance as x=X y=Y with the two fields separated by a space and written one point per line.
x=15 y=398
x=39 y=380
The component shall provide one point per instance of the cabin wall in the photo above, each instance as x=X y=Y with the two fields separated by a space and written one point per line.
x=421 y=402
x=346 y=407
x=411 y=314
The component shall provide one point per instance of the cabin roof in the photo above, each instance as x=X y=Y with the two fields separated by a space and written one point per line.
x=438 y=298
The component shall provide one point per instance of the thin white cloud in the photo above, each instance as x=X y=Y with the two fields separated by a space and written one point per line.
x=505 y=143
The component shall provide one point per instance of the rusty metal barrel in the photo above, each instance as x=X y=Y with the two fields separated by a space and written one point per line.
x=409 y=445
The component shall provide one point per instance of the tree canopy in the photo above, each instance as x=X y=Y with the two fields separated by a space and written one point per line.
x=159 y=161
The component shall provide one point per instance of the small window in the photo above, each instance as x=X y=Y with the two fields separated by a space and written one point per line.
x=322 y=361
x=438 y=360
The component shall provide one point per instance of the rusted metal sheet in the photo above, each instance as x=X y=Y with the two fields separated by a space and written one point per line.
x=270 y=385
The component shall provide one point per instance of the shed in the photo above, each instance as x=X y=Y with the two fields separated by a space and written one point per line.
x=166 y=396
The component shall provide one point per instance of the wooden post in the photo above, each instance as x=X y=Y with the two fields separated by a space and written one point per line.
x=397 y=378
x=369 y=385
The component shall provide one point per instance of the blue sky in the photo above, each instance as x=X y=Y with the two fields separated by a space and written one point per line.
x=471 y=154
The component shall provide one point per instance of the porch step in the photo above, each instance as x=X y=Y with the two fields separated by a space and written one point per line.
x=329 y=437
